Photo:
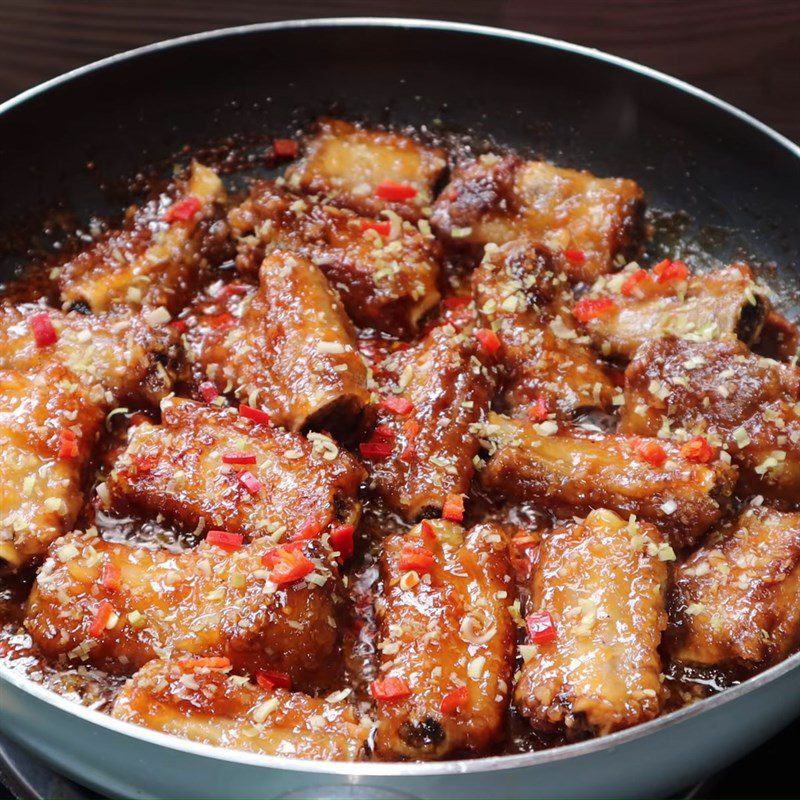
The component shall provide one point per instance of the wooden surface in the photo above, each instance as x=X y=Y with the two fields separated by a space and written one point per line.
x=745 y=51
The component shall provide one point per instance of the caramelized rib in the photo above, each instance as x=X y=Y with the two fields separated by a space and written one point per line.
x=571 y=470
x=152 y=262
x=177 y=470
x=724 y=304
x=443 y=629
x=735 y=600
x=291 y=351
x=203 y=602
x=117 y=357
x=602 y=585
x=386 y=281
x=448 y=385
x=522 y=297
x=214 y=707
x=41 y=481
x=588 y=222
x=748 y=405
x=346 y=164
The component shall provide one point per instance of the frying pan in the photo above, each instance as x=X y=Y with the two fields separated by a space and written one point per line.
x=735 y=181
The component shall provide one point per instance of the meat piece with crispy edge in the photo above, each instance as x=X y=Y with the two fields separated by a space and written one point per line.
x=198 y=700
x=292 y=352
x=724 y=304
x=570 y=470
x=447 y=635
x=48 y=426
x=590 y=223
x=736 y=600
x=347 y=164
x=116 y=357
x=601 y=583
x=386 y=272
x=287 y=484
x=444 y=385
x=746 y=404
x=206 y=602
x=160 y=255
x=525 y=300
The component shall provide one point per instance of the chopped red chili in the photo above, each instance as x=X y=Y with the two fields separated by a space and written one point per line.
x=411 y=429
x=489 y=340
x=699 y=449
x=540 y=627
x=180 y=325
x=209 y=662
x=111 y=577
x=641 y=276
x=397 y=405
x=427 y=531
x=667 y=270
x=341 y=539
x=44 y=333
x=456 y=301
x=254 y=414
x=309 y=529
x=68 y=444
x=574 y=256
x=268 y=679
x=538 y=411
x=225 y=539
x=383 y=228
x=250 y=482
x=375 y=450
x=650 y=450
x=183 y=210
x=288 y=564
x=389 y=689
x=395 y=192
x=453 y=508
x=453 y=701
x=144 y=462
x=208 y=391
x=101 y=618
x=591 y=308
x=285 y=148
x=382 y=433
x=420 y=559
x=239 y=458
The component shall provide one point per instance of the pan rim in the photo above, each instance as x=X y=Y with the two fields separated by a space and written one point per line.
x=410 y=23
x=397 y=769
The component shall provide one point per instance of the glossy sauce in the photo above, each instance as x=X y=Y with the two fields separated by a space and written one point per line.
x=521 y=521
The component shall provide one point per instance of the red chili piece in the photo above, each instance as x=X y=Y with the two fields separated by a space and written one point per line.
x=44 y=333
x=395 y=192
x=183 y=210
x=592 y=308
x=225 y=539
x=540 y=627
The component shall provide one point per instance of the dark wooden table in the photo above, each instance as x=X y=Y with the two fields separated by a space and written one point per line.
x=745 y=51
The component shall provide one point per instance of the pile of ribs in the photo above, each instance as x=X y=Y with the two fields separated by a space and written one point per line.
x=573 y=474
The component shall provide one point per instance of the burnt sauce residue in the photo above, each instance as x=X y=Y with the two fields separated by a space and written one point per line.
x=237 y=160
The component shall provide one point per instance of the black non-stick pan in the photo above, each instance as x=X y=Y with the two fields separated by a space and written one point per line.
x=727 y=184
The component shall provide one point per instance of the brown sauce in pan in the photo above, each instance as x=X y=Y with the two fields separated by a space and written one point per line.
x=95 y=689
